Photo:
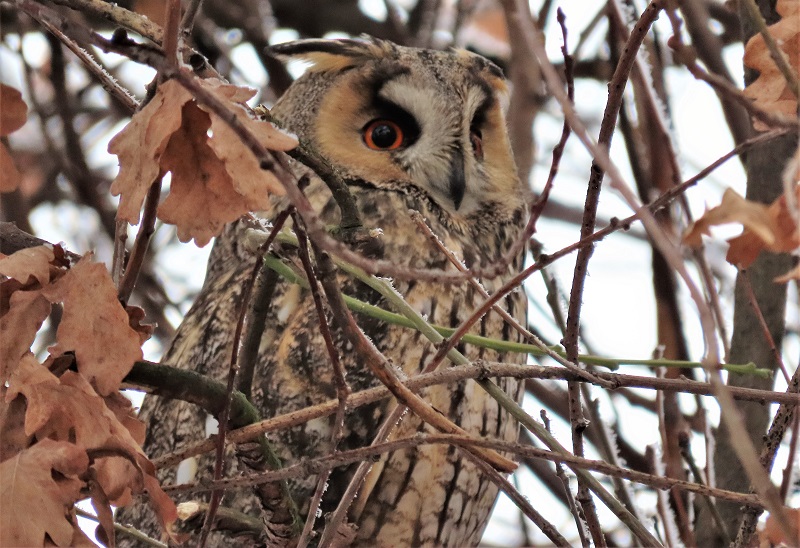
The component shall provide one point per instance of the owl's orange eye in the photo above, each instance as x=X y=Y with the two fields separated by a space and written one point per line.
x=382 y=134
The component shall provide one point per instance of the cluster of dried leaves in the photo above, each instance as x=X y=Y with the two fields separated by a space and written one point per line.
x=772 y=227
x=770 y=90
x=67 y=431
x=215 y=178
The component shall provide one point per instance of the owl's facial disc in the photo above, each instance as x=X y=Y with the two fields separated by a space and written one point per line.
x=444 y=151
x=439 y=131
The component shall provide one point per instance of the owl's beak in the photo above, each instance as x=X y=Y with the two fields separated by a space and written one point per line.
x=457 y=185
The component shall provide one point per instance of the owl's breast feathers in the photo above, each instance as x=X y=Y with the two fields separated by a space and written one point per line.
x=426 y=495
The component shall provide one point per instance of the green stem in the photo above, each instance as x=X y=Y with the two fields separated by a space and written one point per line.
x=436 y=333
x=504 y=400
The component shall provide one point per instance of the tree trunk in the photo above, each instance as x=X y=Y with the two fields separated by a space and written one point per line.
x=764 y=165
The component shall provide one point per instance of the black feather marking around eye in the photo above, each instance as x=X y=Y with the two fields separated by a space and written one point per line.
x=479 y=118
x=400 y=116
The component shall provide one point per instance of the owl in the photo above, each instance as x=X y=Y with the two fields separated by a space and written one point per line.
x=408 y=130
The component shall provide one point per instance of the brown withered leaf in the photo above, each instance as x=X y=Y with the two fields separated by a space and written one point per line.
x=201 y=198
x=13 y=114
x=766 y=227
x=140 y=145
x=21 y=315
x=732 y=209
x=772 y=534
x=135 y=316
x=33 y=262
x=94 y=325
x=68 y=408
x=745 y=248
x=12 y=427
x=102 y=509
x=770 y=90
x=35 y=501
x=13 y=110
x=10 y=177
x=215 y=178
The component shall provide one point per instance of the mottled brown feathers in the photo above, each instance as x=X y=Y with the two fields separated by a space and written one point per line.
x=429 y=495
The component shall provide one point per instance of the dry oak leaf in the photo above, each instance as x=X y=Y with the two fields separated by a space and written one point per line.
x=21 y=315
x=12 y=430
x=32 y=262
x=94 y=325
x=36 y=502
x=215 y=178
x=772 y=534
x=770 y=90
x=13 y=114
x=766 y=227
x=23 y=308
x=68 y=408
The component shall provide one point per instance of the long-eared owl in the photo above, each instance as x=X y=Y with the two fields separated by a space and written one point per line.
x=408 y=130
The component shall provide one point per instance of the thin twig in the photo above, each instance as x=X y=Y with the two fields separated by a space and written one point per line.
x=751 y=296
x=189 y=16
x=573 y=507
x=788 y=471
x=172 y=15
x=454 y=338
x=344 y=458
x=140 y=244
x=685 y=56
x=216 y=495
x=340 y=381
x=549 y=530
x=124 y=97
x=686 y=453
x=118 y=15
x=124 y=529
x=772 y=441
x=456 y=374
x=260 y=304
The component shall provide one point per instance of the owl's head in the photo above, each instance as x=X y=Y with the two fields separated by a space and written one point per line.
x=407 y=119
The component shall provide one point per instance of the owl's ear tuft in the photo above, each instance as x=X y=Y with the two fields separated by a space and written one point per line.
x=333 y=55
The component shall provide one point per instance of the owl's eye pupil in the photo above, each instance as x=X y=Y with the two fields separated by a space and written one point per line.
x=383 y=135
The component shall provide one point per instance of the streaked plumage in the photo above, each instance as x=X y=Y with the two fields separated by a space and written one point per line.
x=454 y=166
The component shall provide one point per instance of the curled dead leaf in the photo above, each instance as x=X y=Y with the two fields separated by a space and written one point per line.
x=69 y=409
x=36 y=501
x=13 y=114
x=20 y=319
x=215 y=178
x=33 y=262
x=23 y=309
x=770 y=90
x=766 y=227
x=94 y=325
x=135 y=316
